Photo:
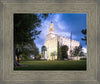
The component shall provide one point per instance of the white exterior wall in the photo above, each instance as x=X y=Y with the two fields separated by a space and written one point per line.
x=68 y=42
x=51 y=44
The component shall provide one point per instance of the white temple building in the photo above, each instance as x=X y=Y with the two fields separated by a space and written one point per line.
x=52 y=40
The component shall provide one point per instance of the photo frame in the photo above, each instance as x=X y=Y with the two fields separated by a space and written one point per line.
x=8 y=75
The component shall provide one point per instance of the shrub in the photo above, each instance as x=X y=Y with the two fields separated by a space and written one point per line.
x=82 y=58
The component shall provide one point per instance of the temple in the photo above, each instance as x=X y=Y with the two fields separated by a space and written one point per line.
x=52 y=40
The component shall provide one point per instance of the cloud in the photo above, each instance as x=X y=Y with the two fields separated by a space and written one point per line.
x=84 y=50
x=58 y=23
x=44 y=29
x=39 y=46
x=66 y=34
x=56 y=17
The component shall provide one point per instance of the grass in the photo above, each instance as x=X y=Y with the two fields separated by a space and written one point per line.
x=53 y=65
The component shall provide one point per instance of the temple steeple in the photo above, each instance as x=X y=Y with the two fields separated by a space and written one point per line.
x=51 y=29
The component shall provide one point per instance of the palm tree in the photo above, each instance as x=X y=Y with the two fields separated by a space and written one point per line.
x=55 y=53
x=43 y=50
x=52 y=54
x=41 y=54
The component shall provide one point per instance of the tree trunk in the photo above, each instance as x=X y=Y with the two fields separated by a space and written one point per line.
x=15 y=62
x=18 y=59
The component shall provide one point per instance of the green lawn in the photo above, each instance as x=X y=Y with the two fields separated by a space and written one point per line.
x=53 y=65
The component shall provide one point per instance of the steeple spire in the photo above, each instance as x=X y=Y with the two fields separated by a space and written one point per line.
x=51 y=29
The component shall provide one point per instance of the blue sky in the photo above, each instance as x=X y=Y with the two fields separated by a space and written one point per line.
x=64 y=24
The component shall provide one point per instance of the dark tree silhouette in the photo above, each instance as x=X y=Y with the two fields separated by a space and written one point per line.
x=25 y=30
x=63 y=52
x=43 y=50
x=84 y=32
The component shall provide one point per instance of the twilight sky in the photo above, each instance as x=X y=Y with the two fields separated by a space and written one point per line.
x=64 y=24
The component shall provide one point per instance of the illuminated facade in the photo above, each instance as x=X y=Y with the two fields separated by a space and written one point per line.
x=52 y=40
